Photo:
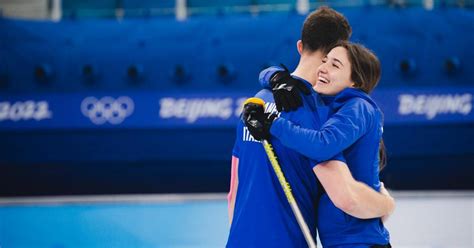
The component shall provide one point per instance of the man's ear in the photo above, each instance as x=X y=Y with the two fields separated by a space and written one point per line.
x=299 y=46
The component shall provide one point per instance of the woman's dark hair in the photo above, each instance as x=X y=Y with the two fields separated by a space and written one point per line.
x=382 y=155
x=365 y=66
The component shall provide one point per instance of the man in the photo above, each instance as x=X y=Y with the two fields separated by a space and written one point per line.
x=259 y=212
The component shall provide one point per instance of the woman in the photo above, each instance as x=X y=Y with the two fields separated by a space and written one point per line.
x=348 y=74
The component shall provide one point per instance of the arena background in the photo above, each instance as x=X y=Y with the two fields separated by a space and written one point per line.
x=117 y=117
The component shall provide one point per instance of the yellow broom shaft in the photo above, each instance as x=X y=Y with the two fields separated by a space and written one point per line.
x=287 y=189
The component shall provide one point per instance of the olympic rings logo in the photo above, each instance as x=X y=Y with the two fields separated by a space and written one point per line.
x=107 y=109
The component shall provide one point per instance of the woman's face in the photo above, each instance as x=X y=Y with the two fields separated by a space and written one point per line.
x=334 y=74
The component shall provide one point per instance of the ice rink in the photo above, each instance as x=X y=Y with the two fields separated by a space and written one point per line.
x=432 y=219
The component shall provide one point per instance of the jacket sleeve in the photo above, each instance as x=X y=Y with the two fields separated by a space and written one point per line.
x=265 y=75
x=339 y=132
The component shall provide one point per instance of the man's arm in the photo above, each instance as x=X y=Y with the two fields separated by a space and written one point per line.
x=352 y=197
x=234 y=183
x=384 y=191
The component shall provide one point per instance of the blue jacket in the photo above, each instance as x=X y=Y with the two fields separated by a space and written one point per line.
x=355 y=127
x=262 y=214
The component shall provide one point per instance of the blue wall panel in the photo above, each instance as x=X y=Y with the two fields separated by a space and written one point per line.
x=245 y=43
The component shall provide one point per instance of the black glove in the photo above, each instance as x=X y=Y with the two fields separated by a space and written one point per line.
x=257 y=121
x=286 y=90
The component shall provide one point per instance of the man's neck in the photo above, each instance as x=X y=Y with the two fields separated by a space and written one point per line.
x=308 y=66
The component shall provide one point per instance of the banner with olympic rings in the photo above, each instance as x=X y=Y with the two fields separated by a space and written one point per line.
x=142 y=109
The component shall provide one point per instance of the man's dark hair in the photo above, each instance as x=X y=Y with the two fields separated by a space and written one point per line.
x=323 y=28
